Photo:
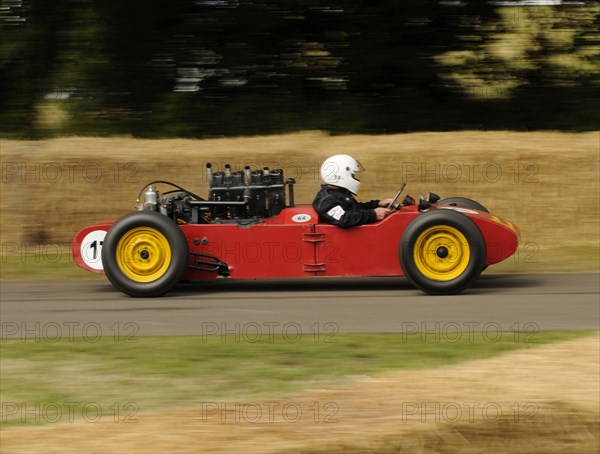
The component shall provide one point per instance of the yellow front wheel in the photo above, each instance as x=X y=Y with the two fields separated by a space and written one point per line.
x=442 y=252
x=145 y=254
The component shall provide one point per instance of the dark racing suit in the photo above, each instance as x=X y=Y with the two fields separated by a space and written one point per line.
x=338 y=206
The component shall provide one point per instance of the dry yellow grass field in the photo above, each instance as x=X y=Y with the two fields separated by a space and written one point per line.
x=534 y=400
x=545 y=182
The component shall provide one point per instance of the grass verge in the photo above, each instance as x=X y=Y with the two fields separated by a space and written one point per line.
x=153 y=373
x=38 y=267
x=566 y=259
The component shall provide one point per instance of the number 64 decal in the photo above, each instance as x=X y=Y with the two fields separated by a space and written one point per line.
x=91 y=249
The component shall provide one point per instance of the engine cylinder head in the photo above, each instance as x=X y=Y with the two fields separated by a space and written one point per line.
x=255 y=177
x=218 y=178
x=276 y=176
x=237 y=178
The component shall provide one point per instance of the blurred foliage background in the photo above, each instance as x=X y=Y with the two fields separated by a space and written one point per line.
x=206 y=68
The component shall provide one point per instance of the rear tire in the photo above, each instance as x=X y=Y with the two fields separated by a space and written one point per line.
x=442 y=252
x=463 y=202
x=144 y=254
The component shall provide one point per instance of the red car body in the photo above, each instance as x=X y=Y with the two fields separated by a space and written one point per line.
x=295 y=244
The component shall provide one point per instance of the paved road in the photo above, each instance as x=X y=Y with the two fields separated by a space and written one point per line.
x=318 y=306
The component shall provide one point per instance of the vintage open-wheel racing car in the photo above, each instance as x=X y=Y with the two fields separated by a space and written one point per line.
x=249 y=227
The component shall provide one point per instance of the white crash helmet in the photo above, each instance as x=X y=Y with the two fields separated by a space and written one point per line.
x=340 y=171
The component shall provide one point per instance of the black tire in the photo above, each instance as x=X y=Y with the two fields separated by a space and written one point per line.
x=463 y=202
x=422 y=252
x=171 y=241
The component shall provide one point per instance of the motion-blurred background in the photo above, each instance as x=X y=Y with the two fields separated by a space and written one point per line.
x=205 y=68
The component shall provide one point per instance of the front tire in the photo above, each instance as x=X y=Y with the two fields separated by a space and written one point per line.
x=144 y=254
x=442 y=252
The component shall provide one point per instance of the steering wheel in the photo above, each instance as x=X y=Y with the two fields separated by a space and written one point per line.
x=393 y=202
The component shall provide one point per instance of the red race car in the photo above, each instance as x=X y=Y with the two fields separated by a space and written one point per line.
x=249 y=227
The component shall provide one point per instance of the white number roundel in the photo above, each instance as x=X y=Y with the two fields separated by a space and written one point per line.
x=91 y=249
x=301 y=217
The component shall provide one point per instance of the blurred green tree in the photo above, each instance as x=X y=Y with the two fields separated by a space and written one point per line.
x=202 y=68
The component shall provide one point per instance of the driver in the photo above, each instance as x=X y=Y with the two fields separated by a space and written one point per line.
x=335 y=202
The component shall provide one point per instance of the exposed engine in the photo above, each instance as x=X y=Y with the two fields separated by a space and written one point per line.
x=242 y=197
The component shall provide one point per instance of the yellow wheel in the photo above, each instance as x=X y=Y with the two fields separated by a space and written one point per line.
x=143 y=254
x=442 y=251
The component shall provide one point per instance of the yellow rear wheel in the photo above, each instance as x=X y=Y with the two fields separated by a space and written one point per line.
x=143 y=254
x=442 y=253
